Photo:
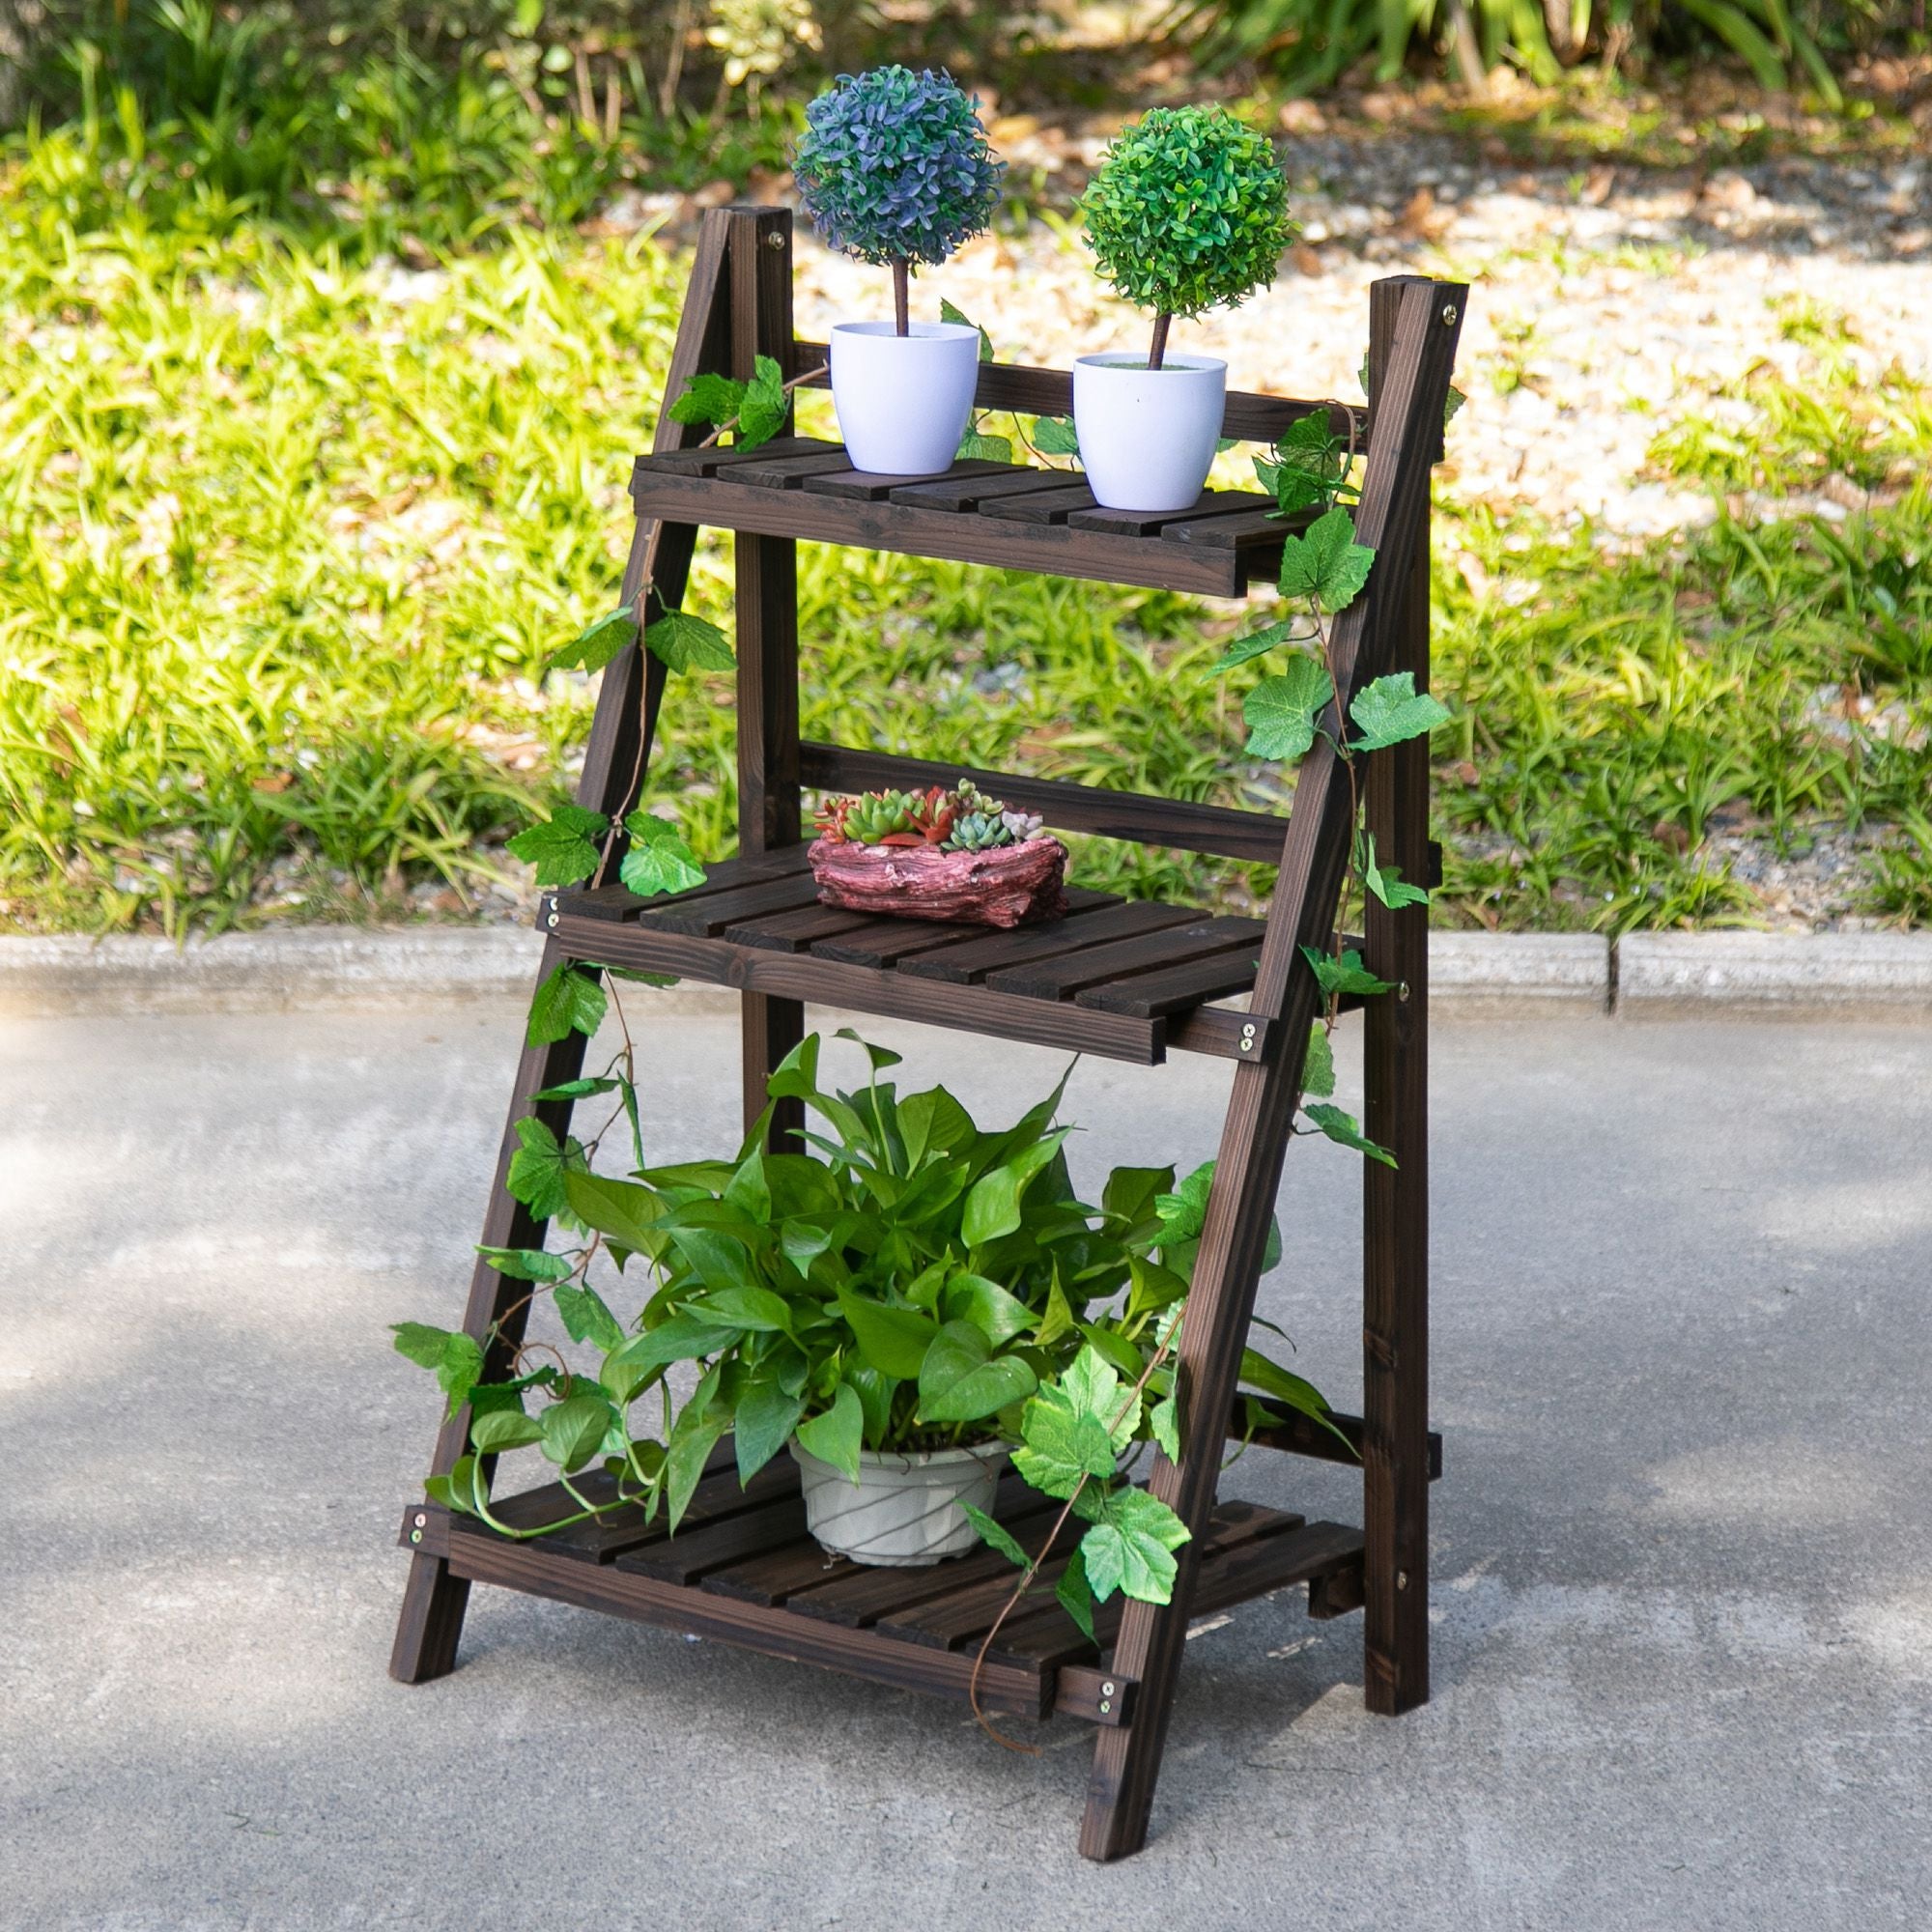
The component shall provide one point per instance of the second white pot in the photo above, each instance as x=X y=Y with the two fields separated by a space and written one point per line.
x=903 y=401
x=904 y=1509
x=1148 y=436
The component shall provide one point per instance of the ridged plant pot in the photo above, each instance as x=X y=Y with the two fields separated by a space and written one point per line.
x=903 y=401
x=1007 y=885
x=904 y=1510
x=1148 y=436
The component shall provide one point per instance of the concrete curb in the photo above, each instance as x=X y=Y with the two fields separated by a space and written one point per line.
x=1522 y=975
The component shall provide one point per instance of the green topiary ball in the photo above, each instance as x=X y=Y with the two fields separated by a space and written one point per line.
x=1188 y=212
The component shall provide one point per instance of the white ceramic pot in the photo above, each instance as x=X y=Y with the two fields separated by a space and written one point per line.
x=1148 y=436
x=904 y=1509
x=903 y=401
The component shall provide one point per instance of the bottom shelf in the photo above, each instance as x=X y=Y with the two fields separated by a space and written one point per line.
x=741 y=1570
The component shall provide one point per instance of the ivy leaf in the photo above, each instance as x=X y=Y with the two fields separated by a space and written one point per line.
x=582 y=1088
x=976 y=448
x=837 y=1435
x=992 y=1208
x=1326 y=565
x=527 y=1265
x=598 y=642
x=1062 y=1445
x=1271 y=1379
x=1056 y=436
x=1318 y=1071
x=996 y=1538
x=562 y=847
x=1345 y=974
x=623 y=1211
x=1386 y=881
x=658 y=859
x=1165 y=1420
x=1253 y=645
x=538 y=1169
x=963 y=1380
x=585 y=1318
x=1130 y=1546
x=1341 y=1127
x=572 y=1000
x=764 y=1424
x=1281 y=711
x=708 y=398
x=894 y=1340
x=1093 y=1387
x=949 y=313
x=1391 y=709
x=1451 y=404
x=1076 y=1594
x=763 y=412
x=1183 y=1213
x=685 y=642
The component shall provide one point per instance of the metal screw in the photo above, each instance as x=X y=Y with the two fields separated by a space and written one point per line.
x=1105 y=1707
x=1401 y=1579
x=1247 y=1040
x=775 y=239
x=1449 y=314
x=415 y=1536
x=1106 y=1689
x=422 y=1520
x=1402 y=990
x=550 y=924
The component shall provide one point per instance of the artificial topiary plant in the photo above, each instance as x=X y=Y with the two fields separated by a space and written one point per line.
x=893 y=168
x=1187 y=213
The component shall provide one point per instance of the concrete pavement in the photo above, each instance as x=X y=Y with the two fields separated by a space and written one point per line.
x=1683 y=1595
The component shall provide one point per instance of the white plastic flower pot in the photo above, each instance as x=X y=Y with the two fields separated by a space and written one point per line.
x=1148 y=436
x=903 y=401
x=904 y=1509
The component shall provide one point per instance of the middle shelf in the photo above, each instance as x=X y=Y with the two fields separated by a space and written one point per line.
x=1123 y=978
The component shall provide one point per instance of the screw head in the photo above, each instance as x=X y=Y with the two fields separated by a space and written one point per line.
x=1401 y=1579
x=1449 y=314
x=775 y=239
x=415 y=1536
x=1105 y=1707
x=423 y=1519
x=1106 y=1689
x=1402 y=990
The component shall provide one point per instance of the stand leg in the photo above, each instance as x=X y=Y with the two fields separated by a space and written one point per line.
x=1395 y=1201
x=769 y=815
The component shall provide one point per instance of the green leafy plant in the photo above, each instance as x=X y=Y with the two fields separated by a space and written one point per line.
x=1187 y=212
x=963 y=819
x=893 y=168
x=910 y=1282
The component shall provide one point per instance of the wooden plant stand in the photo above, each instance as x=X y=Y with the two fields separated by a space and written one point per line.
x=1129 y=980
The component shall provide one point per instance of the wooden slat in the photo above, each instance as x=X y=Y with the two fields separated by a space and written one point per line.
x=721 y=502
x=1060 y=979
x=777 y=1632
x=968 y=492
x=866 y=989
x=1252 y=530
x=886 y=942
x=1296 y=1434
x=1151 y=522
x=707 y=914
x=618 y=902
x=1248 y=415
x=685 y=1557
x=963 y=965
x=721 y=457
x=1175 y=989
x=793 y=931
x=1139 y=816
x=871 y=486
x=783 y=472
x=1041 y=506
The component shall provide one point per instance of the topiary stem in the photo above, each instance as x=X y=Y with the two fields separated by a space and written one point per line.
x=1157 y=354
x=901 y=294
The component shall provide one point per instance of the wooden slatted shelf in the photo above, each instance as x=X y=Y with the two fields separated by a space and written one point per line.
x=742 y=1570
x=1125 y=978
x=975 y=512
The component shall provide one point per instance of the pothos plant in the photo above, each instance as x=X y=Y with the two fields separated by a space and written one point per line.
x=909 y=1282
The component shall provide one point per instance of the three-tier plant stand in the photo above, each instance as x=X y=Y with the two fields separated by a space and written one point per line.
x=1129 y=980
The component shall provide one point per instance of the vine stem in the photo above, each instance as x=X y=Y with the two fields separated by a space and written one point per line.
x=1126 y=1408
x=643 y=591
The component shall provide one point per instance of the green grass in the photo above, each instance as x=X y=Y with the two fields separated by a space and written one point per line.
x=290 y=532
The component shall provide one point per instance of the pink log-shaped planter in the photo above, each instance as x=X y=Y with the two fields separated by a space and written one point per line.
x=1009 y=885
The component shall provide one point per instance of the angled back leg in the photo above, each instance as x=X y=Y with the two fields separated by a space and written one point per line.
x=1261 y=1112
x=615 y=754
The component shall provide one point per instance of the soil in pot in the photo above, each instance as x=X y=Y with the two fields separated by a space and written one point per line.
x=903 y=401
x=904 y=1510
x=1148 y=436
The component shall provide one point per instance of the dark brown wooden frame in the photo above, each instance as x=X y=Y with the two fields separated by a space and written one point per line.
x=738 y=306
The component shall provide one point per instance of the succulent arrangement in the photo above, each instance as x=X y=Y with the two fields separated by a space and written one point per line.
x=963 y=819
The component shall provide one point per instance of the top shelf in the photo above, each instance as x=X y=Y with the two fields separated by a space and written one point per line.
x=1002 y=514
